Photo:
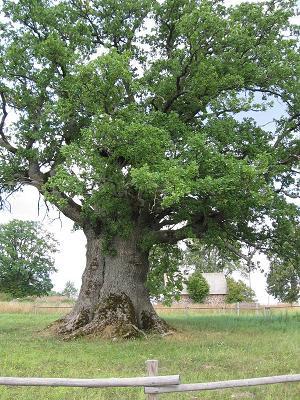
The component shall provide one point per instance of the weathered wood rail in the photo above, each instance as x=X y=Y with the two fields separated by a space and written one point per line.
x=153 y=383
x=93 y=383
x=235 y=308
x=191 y=387
x=263 y=310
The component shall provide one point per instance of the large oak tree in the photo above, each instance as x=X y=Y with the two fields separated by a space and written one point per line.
x=134 y=119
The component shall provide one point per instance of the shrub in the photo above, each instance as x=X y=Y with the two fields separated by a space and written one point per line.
x=197 y=287
x=5 y=296
x=239 y=292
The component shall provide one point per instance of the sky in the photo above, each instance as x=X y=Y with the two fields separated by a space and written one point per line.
x=70 y=260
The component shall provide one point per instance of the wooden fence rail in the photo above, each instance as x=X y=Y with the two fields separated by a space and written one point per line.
x=93 y=383
x=153 y=383
x=191 y=387
x=236 y=307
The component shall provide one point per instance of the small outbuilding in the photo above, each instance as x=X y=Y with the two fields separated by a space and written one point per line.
x=217 y=289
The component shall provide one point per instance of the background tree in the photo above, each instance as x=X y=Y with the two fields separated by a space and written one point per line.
x=283 y=281
x=167 y=273
x=26 y=259
x=205 y=258
x=239 y=292
x=136 y=133
x=70 y=290
x=197 y=287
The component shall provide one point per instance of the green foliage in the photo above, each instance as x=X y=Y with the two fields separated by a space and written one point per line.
x=283 y=281
x=26 y=261
x=70 y=290
x=239 y=292
x=5 y=296
x=205 y=258
x=165 y=279
x=123 y=127
x=198 y=287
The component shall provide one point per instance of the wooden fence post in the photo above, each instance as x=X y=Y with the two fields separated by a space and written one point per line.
x=152 y=370
x=238 y=308
x=267 y=311
x=186 y=310
x=256 y=309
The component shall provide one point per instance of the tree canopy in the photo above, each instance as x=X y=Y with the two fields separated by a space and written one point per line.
x=70 y=290
x=138 y=116
x=121 y=107
x=26 y=259
x=239 y=292
x=209 y=258
x=167 y=273
x=283 y=281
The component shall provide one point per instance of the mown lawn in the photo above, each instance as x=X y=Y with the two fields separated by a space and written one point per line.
x=205 y=348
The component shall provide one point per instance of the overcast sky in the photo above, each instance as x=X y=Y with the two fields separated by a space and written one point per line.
x=70 y=260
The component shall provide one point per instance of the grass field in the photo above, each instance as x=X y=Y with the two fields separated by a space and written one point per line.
x=205 y=348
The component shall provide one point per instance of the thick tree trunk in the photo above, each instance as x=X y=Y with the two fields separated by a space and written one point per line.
x=92 y=281
x=113 y=300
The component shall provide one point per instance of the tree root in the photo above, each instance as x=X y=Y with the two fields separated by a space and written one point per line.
x=115 y=318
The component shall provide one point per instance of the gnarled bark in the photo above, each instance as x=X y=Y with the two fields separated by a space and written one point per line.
x=92 y=281
x=113 y=300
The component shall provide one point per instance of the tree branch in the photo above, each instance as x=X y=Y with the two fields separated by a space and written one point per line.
x=269 y=91
x=179 y=91
x=237 y=252
x=295 y=125
x=3 y=139
x=197 y=227
x=71 y=210
x=85 y=15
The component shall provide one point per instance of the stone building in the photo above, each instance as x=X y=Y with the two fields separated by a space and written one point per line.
x=217 y=289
